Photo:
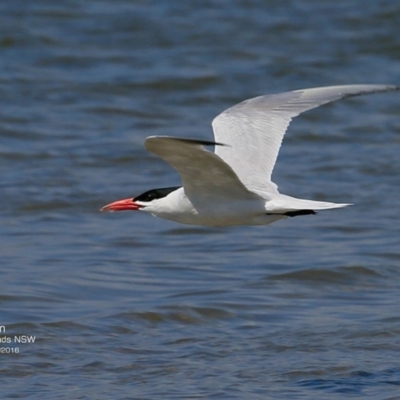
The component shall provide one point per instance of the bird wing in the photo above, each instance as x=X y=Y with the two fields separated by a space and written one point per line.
x=205 y=175
x=254 y=129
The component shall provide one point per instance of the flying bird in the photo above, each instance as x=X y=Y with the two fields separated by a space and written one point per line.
x=233 y=185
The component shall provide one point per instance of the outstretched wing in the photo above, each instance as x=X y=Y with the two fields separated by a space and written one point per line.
x=254 y=129
x=205 y=175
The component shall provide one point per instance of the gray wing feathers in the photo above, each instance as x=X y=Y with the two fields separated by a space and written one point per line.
x=254 y=129
x=204 y=174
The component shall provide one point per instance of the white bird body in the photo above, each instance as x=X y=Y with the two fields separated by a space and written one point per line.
x=177 y=207
x=233 y=185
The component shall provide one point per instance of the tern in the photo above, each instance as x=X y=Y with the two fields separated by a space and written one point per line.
x=233 y=185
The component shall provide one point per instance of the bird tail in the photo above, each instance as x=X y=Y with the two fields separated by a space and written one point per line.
x=287 y=203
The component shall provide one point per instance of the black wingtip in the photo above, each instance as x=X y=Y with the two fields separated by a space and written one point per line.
x=299 y=212
x=201 y=142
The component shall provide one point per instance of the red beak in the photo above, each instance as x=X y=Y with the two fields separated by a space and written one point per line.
x=122 y=205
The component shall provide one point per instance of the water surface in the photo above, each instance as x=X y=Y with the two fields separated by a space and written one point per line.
x=126 y=306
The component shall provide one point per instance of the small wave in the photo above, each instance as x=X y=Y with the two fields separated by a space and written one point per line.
x=340 y=275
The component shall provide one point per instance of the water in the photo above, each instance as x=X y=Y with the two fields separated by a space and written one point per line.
x=126 y=306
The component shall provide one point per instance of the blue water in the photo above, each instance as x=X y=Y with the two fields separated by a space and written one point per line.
x=126 y=306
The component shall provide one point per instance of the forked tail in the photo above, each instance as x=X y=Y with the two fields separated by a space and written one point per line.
x=286 y=204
